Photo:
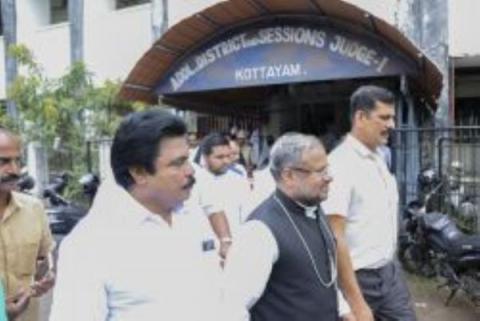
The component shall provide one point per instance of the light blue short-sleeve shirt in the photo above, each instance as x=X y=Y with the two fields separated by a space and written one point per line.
x=3 y=314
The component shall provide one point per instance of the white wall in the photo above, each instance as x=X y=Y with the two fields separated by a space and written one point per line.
x=31 y=15
x=115 y=40
x=464 y=24
x=384 y=9
x=51 y=48
x=181 y=9
x=49 y=43
x=95 y=9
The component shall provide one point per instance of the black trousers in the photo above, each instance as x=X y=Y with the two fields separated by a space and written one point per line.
x=386 y=292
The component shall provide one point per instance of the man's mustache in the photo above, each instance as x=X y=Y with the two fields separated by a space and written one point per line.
x=191 y=182
x=9 y=178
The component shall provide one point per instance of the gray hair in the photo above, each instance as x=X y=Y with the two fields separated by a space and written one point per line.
x=287 y=151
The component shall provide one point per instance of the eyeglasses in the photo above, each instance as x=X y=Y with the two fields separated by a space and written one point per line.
x=8 y=160
x=322 y=173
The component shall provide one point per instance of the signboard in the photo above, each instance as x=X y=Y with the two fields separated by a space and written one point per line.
x=283 y=54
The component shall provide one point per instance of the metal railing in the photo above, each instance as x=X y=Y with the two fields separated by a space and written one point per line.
x=454 y=153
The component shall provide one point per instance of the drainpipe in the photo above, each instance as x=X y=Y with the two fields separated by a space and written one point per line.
x=75 y=18
x=9 y=20
x=425 y=22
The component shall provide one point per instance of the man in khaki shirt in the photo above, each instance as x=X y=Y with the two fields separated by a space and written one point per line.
x=25 y=238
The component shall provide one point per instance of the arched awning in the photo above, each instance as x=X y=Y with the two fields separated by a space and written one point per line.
x=167 y=66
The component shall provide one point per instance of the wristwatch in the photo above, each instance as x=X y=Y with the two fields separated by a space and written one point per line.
x=226 y=240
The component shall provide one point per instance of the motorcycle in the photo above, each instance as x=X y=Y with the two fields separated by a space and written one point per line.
x=432 y=245
x=63 y=214
x=461 y=201
x=25 y=183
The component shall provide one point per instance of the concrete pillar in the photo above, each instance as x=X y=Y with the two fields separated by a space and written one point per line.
x=9 y=21
x=104 y=167
x=37 y=166
x=76 y=17
x=159 y=18
x=191 y=118
x=425 y=22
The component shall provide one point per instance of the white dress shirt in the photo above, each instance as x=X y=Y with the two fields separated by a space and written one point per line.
x=248 y=268
x=263 y=186
x=235 y=196
x=203 y=192
x=123 y=263
x=228 y=192
x=365 y=193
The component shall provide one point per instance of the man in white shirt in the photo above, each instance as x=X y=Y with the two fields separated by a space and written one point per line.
x=363 y=212
x=140 y=255
x=224 y=189
x=192 y=141
x=263 y=186
x=282 y=265
x=235 y=164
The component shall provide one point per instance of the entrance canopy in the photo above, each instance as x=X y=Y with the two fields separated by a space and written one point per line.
x=239 y=44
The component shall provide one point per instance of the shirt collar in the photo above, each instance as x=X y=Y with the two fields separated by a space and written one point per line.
x=309 y=211
x=360 y=147
x=132 y=212
x=297 y=207
x=14 y=204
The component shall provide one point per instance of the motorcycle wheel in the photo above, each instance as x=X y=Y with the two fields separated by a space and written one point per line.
x=412 y=259
x=471 y=284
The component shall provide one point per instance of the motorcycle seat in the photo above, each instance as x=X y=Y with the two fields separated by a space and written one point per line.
x=467 y=244
x=447 y=235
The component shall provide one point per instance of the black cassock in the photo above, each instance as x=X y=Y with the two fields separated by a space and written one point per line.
x=294 y=291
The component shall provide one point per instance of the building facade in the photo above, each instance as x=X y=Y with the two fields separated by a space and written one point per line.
x=117 y=33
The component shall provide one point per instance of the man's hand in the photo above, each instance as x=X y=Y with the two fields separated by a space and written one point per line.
x=348 y=317
x=348 y=280
x=17 y=303
x=42 y=286
x=225 y=245
x=219 y=224
x=362 y=312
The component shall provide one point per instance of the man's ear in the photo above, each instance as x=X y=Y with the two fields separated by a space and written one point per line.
x=286 y=176
x=139 y=174
x=359 y=116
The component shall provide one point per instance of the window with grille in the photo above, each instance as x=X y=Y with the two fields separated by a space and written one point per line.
x=1 y=22
x=58 y=11
x=120 y=4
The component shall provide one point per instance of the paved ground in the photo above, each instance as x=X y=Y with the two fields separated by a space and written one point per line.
x=429 y=303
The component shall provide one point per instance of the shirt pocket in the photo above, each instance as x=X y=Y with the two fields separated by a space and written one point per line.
x=25 y=259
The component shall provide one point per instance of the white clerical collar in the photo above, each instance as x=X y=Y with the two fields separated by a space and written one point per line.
x=310 y=211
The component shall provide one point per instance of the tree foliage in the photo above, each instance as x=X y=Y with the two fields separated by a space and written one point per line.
x=64 y=113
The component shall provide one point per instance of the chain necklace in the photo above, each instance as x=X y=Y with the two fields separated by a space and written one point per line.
x=332 y=258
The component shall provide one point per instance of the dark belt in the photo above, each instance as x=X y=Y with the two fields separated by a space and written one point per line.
x=376 y=270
